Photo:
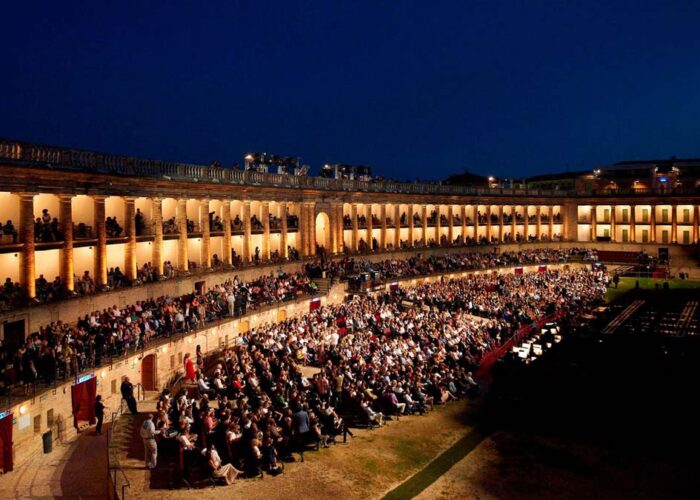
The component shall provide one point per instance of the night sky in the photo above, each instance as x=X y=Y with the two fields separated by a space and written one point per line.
x=414 y=89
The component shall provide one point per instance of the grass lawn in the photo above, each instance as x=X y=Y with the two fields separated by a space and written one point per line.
x=627 y=284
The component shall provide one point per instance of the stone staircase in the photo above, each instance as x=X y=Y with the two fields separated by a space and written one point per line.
x=126 y=450
x=323 y=284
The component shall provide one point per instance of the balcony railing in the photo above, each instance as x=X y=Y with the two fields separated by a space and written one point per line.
x=93 y=162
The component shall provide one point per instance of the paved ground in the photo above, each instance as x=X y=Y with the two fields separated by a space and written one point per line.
x=74 y=470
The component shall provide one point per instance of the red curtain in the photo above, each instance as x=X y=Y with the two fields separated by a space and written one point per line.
x=542 y=269
x=6 y=439
x=314 y=304
x=518 y=270
x=83 y=399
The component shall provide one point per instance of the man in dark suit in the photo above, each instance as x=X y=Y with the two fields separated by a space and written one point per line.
x=301 y=427
x=128 y=395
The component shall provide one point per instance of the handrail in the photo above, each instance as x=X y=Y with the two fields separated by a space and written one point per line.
x=114 y=469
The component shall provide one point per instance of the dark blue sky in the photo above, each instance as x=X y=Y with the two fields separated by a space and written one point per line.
x=415 y=89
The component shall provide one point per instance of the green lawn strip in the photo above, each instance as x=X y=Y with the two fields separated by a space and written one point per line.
x=432 y=472
x=627 y=283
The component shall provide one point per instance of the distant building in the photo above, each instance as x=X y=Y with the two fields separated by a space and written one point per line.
x=626 y=176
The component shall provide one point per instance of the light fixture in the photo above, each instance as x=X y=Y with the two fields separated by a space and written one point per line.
x=103 y=373
x=22 y=410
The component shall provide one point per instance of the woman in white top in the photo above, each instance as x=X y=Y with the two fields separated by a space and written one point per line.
x=227 y=471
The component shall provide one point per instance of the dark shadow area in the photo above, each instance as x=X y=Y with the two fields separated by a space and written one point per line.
x=595 y=402
x=88 y=458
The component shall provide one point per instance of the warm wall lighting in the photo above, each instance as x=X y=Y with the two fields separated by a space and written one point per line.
x=103 y=373
x=22 y=410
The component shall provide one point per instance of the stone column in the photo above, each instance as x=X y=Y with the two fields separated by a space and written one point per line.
x=633 y=223
x=206 y=233
x=450 y=225
x=355 y=229
x=475 y=218
x=101 y=250
x=397 y=226
x=332 y=230
x=569 y=230
x=341 y=227
x=370 y=225
x=27 y=238
x=183 y=263
x=674 y=223
x=157 y=250
x=424 y=223
x=612 y=223
x=66 y=265
x=266 y=230
x=247 y=231
x=500 y=223
x=226 y=222
x=130 y=232
x=488 y=223
x=538 y=220
x=696 y=220
x=283 y=230
x=301 y=230
x=311 y=227
x=409 y=218
x=652 y=223
x=513 y=221
x=551 y=221
x=594 y=216
x=438 y=225
x=382 y=225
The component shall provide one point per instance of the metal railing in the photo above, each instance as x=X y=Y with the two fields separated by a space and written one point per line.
x=116 y=476
x=93 y=162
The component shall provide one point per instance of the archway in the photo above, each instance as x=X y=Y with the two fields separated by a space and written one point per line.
x=323 y=231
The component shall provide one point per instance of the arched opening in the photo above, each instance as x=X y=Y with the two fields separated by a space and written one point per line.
x=323 y=231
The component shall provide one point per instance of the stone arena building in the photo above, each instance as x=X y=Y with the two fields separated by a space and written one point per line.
x=161 y=213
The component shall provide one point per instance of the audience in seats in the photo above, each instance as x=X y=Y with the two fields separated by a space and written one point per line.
x=377 y=358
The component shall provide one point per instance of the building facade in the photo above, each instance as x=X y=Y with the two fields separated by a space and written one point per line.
x=103 y=212
x=67 y=212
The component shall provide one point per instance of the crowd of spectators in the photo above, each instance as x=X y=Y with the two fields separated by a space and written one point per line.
x=49 y=353
x=114 y=330
x=463 y=261
x=378 y=357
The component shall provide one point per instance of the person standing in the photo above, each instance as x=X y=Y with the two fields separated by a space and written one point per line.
x=99 y=413
x=127 y=389
x=231 y=300
x=150 y=447
x=189 y=368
